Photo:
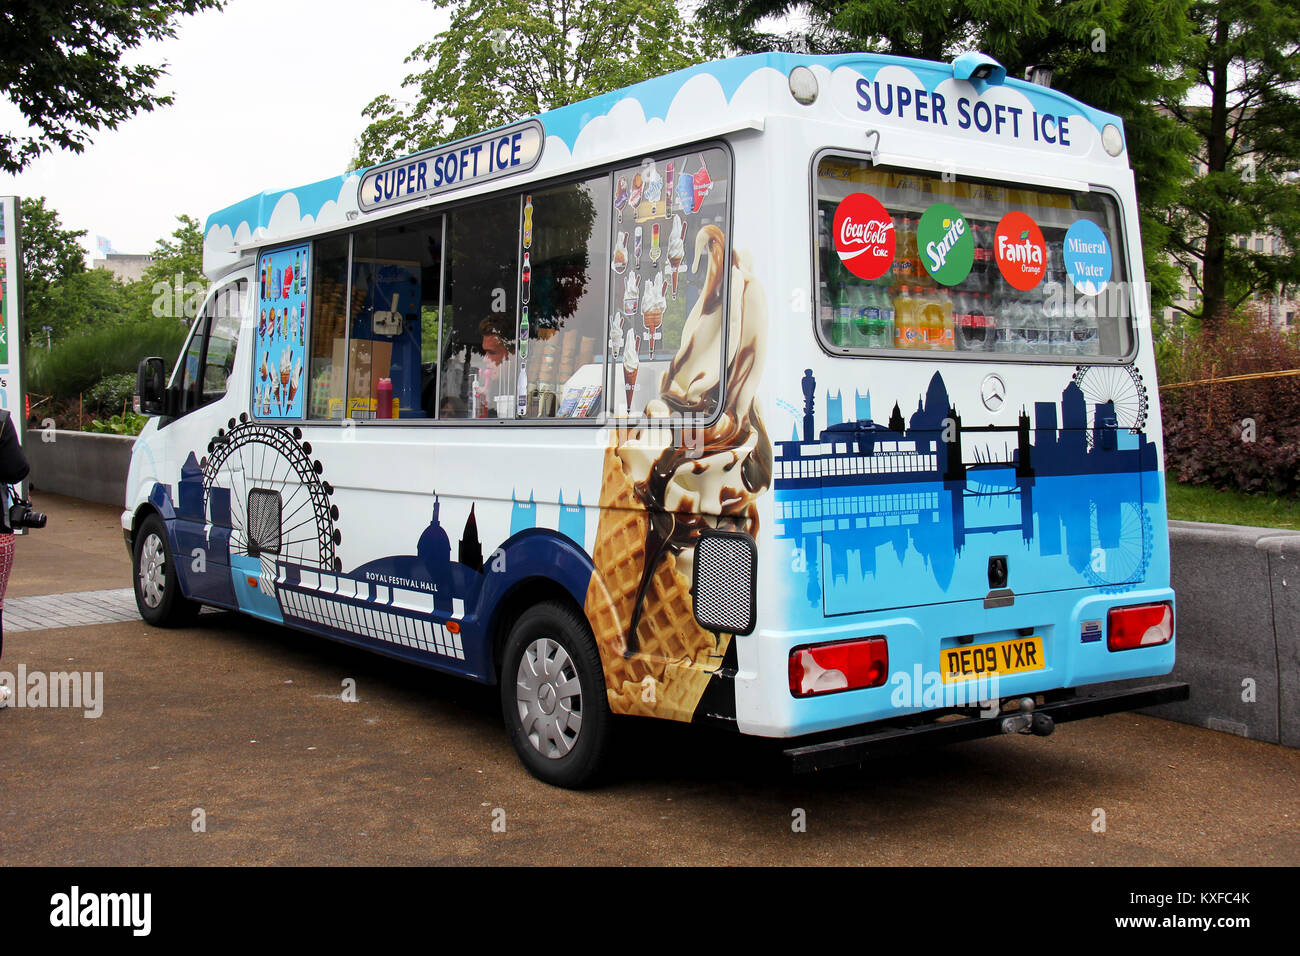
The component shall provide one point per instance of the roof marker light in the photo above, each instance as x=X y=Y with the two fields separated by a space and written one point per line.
x=979 y=68
x=1112 y=140
x=803 y=85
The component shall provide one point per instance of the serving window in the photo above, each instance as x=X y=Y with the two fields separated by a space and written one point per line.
x=910 y=261
x=560 y=302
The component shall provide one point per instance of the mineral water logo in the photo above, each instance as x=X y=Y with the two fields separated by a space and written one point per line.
x=1088 y=259
x=864 y=236
x=1020 y=251
x=947 y=244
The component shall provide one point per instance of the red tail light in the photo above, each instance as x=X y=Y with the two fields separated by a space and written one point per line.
x=1143 y=625
x=845 y=665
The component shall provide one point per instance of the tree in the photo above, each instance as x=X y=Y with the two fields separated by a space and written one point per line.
x=1122 y=56
x=82 y=301
x=501 y=60
x=173 y=284
x=51 y=254
x=1246 y=120
x=61 y=66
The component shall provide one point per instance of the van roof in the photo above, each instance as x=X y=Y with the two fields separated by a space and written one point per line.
x=577 y=131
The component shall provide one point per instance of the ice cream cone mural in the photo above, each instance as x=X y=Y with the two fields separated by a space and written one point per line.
x=631 y=366
x=286 y=369
x=616 y=333
x=630 y=295
x=620 y=195
x=653 y=305
x=676 y=249
x=660 y=490
x=620 y=254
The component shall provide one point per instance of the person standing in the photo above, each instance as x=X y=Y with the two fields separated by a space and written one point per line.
x=13 y=468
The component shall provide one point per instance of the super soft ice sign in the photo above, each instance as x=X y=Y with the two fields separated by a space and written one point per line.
x=504 y=152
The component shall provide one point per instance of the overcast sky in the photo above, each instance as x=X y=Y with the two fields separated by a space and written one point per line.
x=268 y=94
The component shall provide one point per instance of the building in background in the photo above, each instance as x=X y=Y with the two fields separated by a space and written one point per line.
x=127 y=268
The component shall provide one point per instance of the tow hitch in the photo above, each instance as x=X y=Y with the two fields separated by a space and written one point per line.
x=1027 y=721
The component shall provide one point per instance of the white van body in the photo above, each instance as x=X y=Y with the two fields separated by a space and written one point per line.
x=829 y=490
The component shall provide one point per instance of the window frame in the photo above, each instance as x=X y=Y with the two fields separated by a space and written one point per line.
x=204 y=321
x=614 y=302
x=955 y=355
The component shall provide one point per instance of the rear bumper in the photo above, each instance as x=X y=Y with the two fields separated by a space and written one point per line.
x=857 y=749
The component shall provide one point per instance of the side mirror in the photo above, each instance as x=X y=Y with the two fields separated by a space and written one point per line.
x=150 y=385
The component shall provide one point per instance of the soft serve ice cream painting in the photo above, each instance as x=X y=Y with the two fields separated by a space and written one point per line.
x=667 y=481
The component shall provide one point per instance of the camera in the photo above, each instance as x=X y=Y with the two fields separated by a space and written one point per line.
x=21 y=514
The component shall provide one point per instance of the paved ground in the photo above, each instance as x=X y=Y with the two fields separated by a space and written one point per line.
x=242 y=725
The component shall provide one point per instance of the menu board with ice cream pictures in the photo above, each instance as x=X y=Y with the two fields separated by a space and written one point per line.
x=668 y=262
x=281 y=332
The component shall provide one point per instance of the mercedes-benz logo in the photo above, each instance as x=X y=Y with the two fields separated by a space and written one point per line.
x=993 y=392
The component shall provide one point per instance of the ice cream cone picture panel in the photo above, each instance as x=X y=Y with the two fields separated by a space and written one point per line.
x=698 y=459
x=281 y=332
x=664 y=269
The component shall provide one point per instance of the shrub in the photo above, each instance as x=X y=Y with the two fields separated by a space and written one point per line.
x=110 y=395
x=80 y=361
x=128 y=423
x=1243 y=436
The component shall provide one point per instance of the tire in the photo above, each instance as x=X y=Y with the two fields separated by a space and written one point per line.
x=157 y=589
x=550 y=675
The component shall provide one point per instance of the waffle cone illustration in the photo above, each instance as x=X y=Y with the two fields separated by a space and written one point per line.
x=672 y=650
x=665 y=484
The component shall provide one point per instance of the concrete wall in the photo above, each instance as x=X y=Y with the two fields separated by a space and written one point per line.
x=79 y=464
x=1238 y=630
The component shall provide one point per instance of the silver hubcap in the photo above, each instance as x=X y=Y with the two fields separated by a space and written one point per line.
x=153 y=570
x=549 y=698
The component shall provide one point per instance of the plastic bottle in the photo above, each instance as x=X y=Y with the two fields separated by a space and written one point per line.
x=384 y=398
x=937 y=312
x=885 y=327
x=869 y=318
x=1036 y=328
x=904 y=265
x=965 y=330
x=825 y=308
x=841 y=329
x=920 y=275
x=905 y=330
x=982 y=312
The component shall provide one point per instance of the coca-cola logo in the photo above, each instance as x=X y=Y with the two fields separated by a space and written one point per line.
x=864 y=236
x=1020 y=251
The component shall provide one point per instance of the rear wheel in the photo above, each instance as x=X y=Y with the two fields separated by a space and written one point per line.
x=553 y=696
x=157 y=589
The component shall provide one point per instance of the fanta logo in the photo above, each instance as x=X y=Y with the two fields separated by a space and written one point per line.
x=864 y=236
x=1020 y=251
x=1024 y=251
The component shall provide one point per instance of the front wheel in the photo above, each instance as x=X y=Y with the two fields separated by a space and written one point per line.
x=553 y=696
x=157 y=589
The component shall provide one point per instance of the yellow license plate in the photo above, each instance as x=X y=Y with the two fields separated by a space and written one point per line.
x=984 y=660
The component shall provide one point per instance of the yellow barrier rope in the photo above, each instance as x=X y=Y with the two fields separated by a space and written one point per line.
x=1232 y=378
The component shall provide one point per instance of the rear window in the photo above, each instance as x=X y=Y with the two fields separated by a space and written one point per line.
x=912 y=261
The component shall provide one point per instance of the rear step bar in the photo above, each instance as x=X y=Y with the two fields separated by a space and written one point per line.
x=856 y=750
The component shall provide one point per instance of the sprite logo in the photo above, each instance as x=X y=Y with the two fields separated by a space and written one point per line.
x=946 y=243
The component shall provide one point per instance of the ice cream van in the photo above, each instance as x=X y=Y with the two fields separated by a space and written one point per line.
x=808 y=396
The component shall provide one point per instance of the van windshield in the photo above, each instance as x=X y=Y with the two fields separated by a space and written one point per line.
x=910 y=260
